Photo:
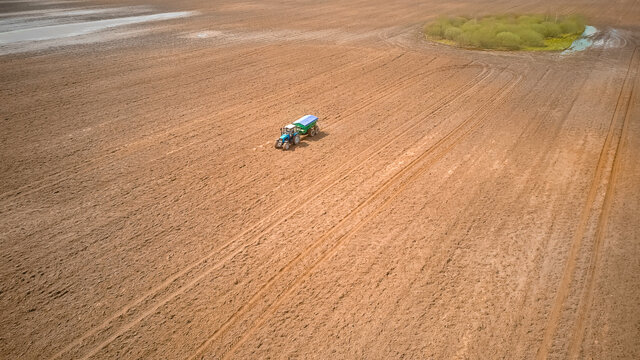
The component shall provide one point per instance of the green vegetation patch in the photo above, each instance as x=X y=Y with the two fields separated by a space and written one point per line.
x=507 y=32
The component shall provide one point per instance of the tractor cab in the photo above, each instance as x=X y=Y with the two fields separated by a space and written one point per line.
x=289 y=129
x=290 y=134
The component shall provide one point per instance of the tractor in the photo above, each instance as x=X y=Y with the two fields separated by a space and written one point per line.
x=290 y=134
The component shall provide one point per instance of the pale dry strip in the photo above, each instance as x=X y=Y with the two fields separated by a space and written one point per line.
x=587 y=298
x=576 y=242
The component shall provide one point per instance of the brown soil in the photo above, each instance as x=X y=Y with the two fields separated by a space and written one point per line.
x=456 y=204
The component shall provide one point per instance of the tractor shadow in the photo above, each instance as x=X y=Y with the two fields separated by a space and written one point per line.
x=319 y=136
x=306 y=140
x=301 y=145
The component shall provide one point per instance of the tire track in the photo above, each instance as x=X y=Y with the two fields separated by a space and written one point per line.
x=587 y=298
x=162 y=99
x=234 y=186
x=79 y=169
x=420 y=171
x=96 y=162
x=395 y=88
x=369 y=200
x=397 y=85
x=576 y=241
x=198 y=54
x=399 y=39
x=549 y=128
x=144 y=81
x=304 y=199
x=384 y=90
x=529 y=103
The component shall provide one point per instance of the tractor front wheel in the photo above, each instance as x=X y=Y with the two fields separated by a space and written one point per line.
x=277 y=144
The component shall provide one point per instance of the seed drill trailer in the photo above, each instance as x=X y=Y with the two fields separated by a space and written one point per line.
x=290 y=134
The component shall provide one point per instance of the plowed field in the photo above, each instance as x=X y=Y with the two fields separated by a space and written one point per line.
x=456 y=204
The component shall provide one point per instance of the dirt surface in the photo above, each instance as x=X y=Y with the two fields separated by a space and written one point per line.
x=457 y=204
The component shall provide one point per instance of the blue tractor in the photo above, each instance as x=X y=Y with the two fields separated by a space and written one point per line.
x=290 y=134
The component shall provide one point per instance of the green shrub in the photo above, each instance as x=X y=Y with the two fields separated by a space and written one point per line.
x=458 y=21
x=505 y=31
x=434 y=30
x=486 y=38
x=465 y=39
x=509 y=40
x=568 y=27
x=579 y=22
x=539 y=28
x=530 y=37
x=452 y=33
x=471 y=26
x=500 y=27
x=551 y=29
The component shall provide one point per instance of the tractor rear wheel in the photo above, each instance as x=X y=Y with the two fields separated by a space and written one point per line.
x=296 y=140
x=285 y=146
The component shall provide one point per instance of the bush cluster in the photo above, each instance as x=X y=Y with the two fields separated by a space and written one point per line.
x=504 y=31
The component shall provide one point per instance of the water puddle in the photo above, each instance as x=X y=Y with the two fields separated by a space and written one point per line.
x=583 y=42
x=82 y=28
